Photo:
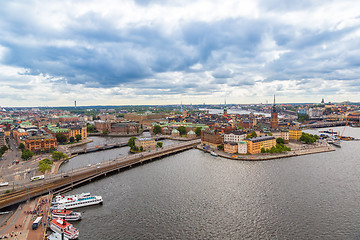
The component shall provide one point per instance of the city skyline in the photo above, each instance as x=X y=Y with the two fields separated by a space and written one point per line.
x=159 y=53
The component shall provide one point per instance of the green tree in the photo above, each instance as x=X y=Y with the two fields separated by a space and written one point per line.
x=182 y=130
x=72 y=139
x=141 y=149
x=4 y=148
x=220 y=147
x=22 y=146
x=131 y=142
x=56 y=155
x=198 y=131
x=159 y=144
x=253 y=134
x=61 y=138
x=44 y=165
x=78 y=137
x=27 y=154
x=157 y=129
x=303 y=117
x=263 y=150
x=308 y=138
x=105 y=132
x=280 y=140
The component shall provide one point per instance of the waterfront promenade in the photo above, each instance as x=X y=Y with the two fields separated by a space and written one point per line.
x=296 y=150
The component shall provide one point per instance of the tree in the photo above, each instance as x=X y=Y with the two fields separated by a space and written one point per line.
x=72 y=139
x=131 y=142
x=22 y=146
x=159 y=144
x=61 y=138
x=105 y=132
x=141 y=149
x=27 y=154
x=44 y=165
x=303 y=117
x=78 y=137
x=280 y=140
x=308 y=138
x=56 y=155
x=4 y=148
x=182 y=130
x=198 y=131
x=263 y=150
x=157 y=129
x=220 y=147
x=90 y=128
x=253 y=134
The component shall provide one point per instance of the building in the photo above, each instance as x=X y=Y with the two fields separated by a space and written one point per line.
x=225 y=110
x=285 y=135
x=78 y=130
x=41 y=143
x=191 y=134
x=146 y=143
x=234 y=136
x=242 y=147
x=2 y=138
x=274 y=121
x=295 y=134
x=211 y=138
x=175 y=133
x=53 y=130
x=255 y=144
x=230 y=147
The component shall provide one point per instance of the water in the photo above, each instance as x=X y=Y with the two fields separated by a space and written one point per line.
x=192 y=195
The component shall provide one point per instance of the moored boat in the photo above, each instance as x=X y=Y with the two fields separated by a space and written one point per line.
x=213 y=154
x=69 y=215
x=61 y=226
x=76 y=201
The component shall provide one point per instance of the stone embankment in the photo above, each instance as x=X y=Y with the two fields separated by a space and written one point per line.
x=297 y=150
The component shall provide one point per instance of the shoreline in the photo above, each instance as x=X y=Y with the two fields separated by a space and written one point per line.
x=324 y=147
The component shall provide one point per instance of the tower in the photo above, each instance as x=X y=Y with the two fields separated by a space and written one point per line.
x=75 y=103
x=225 y=109
x=274 y=121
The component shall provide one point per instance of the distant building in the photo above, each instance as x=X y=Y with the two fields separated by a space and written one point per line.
x=234 y=136
x=42 y=143
x=242 y=147
x=191 y=134
x=230 y=147
x=211 y=138
x=295 y=134
x=146 y=143
x=175 y=133
x=254 y=145
x=274 y=121
x=285 y=135
x=78 y=130
x=2 y=138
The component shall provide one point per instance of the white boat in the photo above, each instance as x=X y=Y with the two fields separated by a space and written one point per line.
x=76 y=201
x=68 y=215
x=213 y=154
x=61 y=226
x=55 y=236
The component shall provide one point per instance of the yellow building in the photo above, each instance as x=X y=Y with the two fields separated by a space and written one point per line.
x=295 y=134
x=230 y=147
x=254 y=145
x=145 y=143
x=73 y=131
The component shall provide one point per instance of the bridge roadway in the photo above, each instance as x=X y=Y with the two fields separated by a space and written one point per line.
x=70 y=179
x=106 y=147
x=324 y=124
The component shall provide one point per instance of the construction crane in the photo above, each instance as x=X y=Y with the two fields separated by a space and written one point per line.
x=342 y=133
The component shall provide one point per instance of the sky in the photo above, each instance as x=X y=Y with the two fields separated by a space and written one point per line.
x=166 y=52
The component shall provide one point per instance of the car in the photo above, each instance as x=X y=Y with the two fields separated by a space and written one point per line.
x=65 y=176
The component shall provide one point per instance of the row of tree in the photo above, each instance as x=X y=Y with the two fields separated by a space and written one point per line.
x=308 y=138
x=62 y=139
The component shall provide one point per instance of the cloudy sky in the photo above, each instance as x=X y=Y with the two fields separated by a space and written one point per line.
x=164 y=52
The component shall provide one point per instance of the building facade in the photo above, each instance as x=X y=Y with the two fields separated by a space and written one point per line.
x=43 y=143
x=2 y=138
x=230 y=147
x=211 y=138
x=254 y=145
x=242 y=147
x=146 y=143
x=295 y=134
x=234 y=136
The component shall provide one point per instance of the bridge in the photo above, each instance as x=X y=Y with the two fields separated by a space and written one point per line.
x=324 y=124
x=106 y=147
x=73 y=178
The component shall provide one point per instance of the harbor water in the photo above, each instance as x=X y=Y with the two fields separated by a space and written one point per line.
x=193 y=195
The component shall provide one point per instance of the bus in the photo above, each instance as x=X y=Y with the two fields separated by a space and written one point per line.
x=36 y=223
x=3 y=184
x=37 y=178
